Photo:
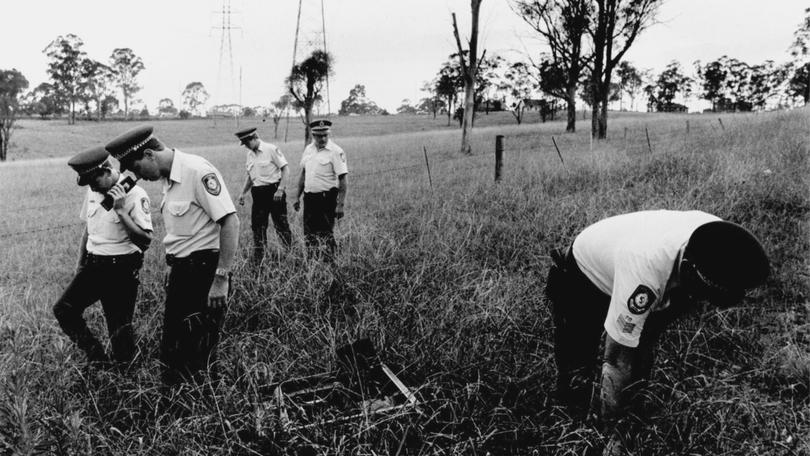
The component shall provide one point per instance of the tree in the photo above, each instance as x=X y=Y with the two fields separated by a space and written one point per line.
x=358 y=103
x=799 y=83
x=194 y=97
x=126 y=66
x=432 y=103
x=447 y=89
x=470 y=68
x=630 y=83
x=95 y=85
x=518 y=85
x=280 y=108
x=65 y=69
x=616 y=25
x=671 y=83
x=12 y=84
x=406 y=107
x=713 y=80
x=166 y=107
x=561 y=24
x=306 y=82
x=42 y=100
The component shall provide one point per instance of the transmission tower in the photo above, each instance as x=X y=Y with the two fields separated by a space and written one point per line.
x=225 y=93
x=310 y=35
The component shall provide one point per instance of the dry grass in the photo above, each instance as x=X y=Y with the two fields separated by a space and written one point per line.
x=447 y=281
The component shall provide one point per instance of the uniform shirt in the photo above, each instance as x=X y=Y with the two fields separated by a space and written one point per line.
x=106 y=234
x=264 y=165
x=322 y=167
x=194 y=199
x=631 y=257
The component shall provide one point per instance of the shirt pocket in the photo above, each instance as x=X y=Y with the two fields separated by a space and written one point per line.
x=264 y=168
x=179 y=221
x=324 y=165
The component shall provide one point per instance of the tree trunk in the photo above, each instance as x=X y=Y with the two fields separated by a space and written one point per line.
x=571 y=126
x=3 y=147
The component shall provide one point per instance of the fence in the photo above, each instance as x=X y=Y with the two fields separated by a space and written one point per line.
x=635 y=140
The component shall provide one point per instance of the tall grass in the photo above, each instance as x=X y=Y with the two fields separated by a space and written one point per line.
x=448 y=283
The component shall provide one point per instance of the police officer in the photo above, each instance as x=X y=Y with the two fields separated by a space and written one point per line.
x=267 y=171
x=323 y=184
x=201 y=238
x=110 y=258
x=632 y=275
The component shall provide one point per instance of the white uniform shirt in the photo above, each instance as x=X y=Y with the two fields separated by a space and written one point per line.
x=194 y=199
x=264 y=165
x=631 y=257
x=106 y=234
x=322 y=167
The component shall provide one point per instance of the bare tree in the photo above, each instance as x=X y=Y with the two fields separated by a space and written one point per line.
x=469 y=73
x=615 y=26
x=561 y=24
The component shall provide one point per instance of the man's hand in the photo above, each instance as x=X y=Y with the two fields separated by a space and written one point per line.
x=297 y=205
x=218 y=293
x=118 y=194
x=279 y=195
x=241 y=200
x=339 y=211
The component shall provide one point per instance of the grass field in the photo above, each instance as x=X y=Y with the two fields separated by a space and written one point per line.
x=446 y=281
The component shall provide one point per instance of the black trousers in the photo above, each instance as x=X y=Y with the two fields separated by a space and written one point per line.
x=263 y=206
x=114 y=281
x=319 y=223
x=579 y=309
x=191 y=330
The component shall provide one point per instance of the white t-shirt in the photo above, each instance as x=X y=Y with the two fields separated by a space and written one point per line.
x=631 y=257
x=106 y=234
x=194 y=199
x=323 y=167
x=264 y=166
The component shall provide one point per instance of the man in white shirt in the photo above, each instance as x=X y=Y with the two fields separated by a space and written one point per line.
x=202 y=233
x=110 y=258
x=323 y=183
x=631 y=275
x=267 y=172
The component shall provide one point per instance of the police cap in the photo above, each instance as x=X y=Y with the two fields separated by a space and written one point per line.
x=320 y=127
x=246 y=134
x=136 y=139
x=727 y=256
x=87 y=162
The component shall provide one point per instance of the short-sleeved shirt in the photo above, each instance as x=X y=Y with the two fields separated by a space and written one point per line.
x=322 y=167
x=106 y=234
x=194 y=199
x=264 y=165
x=631 y=258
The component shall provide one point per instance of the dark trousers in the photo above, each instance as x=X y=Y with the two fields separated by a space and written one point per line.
x=263 y=206
x=188 y=348
x=114 y=281
x=319 y=223
x=579 y=309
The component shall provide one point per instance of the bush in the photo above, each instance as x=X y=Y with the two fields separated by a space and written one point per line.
x=184 y=114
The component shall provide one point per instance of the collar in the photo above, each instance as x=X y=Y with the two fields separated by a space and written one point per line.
x=178 y=165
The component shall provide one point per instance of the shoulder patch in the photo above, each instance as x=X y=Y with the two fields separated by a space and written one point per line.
x=145 y=204
x=342 y=156
x=211 y=183
x=641 y=300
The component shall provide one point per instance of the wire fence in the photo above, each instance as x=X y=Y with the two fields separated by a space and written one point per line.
x=643 y=139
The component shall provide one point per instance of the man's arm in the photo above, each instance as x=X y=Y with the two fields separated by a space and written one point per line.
x=140 y=237
x=617 y=371
x=285 y=174
x=82 y=250
x=228 y=243
x=245 y=189
x=300 y=191
x=343 y=186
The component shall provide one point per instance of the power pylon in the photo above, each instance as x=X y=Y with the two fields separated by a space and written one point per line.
x=310 y=35
x=223 y=95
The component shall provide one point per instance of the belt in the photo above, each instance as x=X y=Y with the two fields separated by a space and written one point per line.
x=322 y=194
x=113 y=259
x=197 y=257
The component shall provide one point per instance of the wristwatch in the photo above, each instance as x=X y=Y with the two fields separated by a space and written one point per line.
x=222 y=272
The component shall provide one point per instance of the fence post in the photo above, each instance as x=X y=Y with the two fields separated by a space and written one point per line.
x=721 y=123
x=649 y=146
x=687 y=126
x=427 y=164
x=498 y=157
x=625 y=133
x=558 y=153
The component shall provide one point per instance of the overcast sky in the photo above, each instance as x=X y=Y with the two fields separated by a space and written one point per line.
x=391 y=47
